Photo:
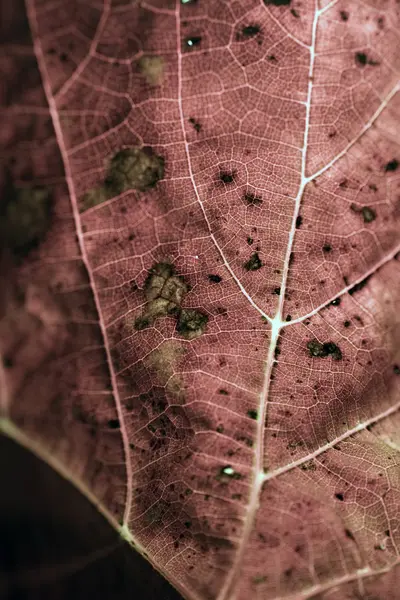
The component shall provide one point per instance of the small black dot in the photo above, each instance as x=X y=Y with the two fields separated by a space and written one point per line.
x=113 y=423
x=250 y=30
x=391 y=165
x=196 y=124
x=215 y=278
x=299 y=221
x=396 y=369
x=277 y=291
x=327 y=248
x=288 y=318
x=347 y=324
x=226 y=177
x=344 y=15
x=336 y=302
x=339 y=496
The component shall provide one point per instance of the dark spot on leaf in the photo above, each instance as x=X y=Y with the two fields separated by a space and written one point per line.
x=362 y=59
x=396 y=369
x=220 y=429
x=215 y=278
x=223 y=392
x=277 y=2
x=336 y=302
x=392 y=165
x=294 y=13
x=227 y=177
x=347 y=324
x=272 y=58
x=250 y=30
x=253 y=414
x=252 y=199
x=196 y=124
x=368 y=214
x=113 y=423
x=277 y=291
x=317 y=349
x=254 y=263
x=191 y=323
x=191 y=42
x=299 y=221
x=339 y=496
x=344 y=15
x=359 y=286
x=343 y=183
x=133 y=168
x=349 y=534
x=63 y=57
x=288 y=318
x=327 y=248
x=250 y=241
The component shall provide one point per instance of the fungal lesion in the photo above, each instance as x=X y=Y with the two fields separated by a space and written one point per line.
x=164 y=292
x=254 y=263
x=129 y=169
x=322 y=350
x=152 y=69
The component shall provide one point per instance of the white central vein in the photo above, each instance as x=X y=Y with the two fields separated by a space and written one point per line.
x=228 y=590
x=85 y=259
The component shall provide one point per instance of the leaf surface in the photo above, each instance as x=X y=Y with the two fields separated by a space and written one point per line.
x=206 y=338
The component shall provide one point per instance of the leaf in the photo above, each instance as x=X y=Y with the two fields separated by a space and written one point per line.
x=202 y=335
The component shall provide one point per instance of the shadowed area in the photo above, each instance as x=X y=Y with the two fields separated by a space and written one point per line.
x=50 y=538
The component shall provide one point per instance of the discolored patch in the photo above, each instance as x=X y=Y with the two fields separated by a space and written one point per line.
x=164 y=291
x=249 y=31
x=253 y=414
x=362 y=59
x=93 y=197
x=227 y=176
x=278 y=2
x=152 y=69
x=196 y=124
x=133 y=169
x=319 y=350
x=191 y=323
x=254 y=263
x=25 y=217
x=392 y=165
x=368 y=214
x=252 y=199
x=215 y=278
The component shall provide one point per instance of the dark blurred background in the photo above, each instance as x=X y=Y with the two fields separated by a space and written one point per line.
x=54 y=545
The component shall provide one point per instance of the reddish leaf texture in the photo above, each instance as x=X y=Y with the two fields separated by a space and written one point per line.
x=200 y=324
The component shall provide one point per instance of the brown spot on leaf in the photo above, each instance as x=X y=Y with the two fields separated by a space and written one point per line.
x=317 y=349
x=392 y=165
x=254 y=263
x=191 y=323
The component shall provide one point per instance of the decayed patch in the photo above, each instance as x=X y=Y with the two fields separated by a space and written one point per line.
x=152 y=69
x=163 y=361
x=129 y=169
x=164 y=292
x=191 y=323
x=317 y=349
